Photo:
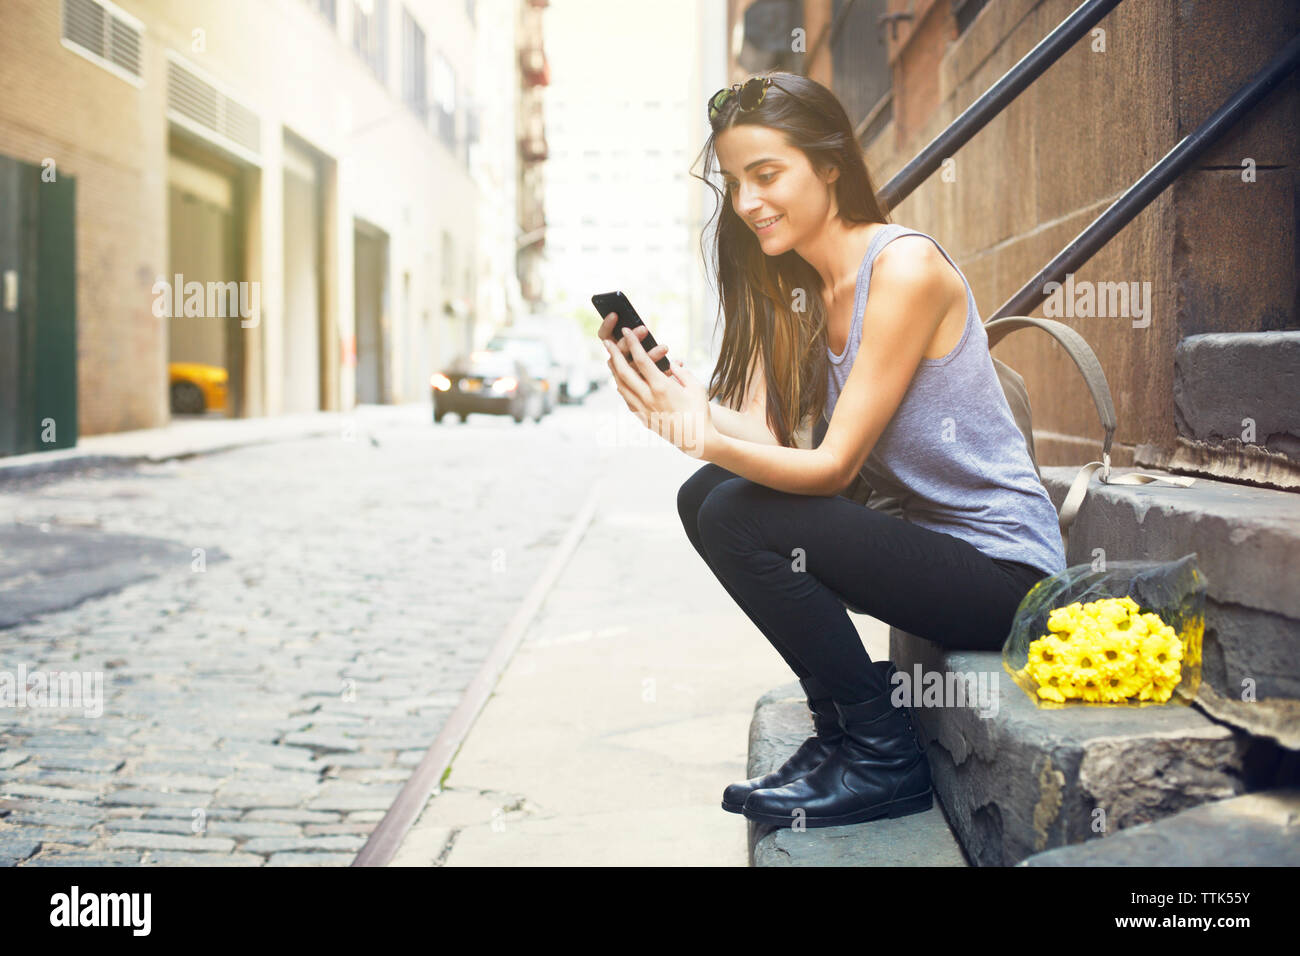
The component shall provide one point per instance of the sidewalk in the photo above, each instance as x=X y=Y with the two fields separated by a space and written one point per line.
x=625 y=710
x=200 y=435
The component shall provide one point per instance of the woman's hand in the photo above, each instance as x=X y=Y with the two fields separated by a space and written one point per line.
x=675 y=406
x=606 y=332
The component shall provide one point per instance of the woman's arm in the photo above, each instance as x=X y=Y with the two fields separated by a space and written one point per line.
x=799 y=471
x=750 y=423
x=736 y=424
x=909 y=298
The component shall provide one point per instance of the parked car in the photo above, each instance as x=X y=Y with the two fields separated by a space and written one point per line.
x=196 y=388
x=568 y=345
x=535 y=353
x=489 y=381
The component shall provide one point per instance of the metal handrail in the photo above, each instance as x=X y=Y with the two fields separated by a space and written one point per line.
x=976 y=116
x=1136 y=198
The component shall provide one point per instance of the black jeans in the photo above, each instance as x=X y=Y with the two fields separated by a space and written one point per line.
x=792 y=562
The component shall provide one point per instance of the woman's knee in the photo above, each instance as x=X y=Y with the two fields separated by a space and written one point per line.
x=724 y=508
x=693 y=491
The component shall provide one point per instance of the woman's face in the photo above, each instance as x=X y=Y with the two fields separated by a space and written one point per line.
x=767 y=179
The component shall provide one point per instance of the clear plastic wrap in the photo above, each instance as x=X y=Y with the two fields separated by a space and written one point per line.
x=1085 y=635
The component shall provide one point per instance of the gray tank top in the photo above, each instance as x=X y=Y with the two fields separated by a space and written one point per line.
x=953 y=453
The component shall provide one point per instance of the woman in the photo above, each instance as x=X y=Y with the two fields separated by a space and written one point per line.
x=914 y=405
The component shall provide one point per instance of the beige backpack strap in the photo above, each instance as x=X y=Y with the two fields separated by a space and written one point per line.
x=1079 y=488
x=1077 y=347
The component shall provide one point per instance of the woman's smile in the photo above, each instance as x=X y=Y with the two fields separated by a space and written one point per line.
x=763 y=226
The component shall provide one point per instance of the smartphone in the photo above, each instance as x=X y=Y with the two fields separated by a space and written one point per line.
x=607 y=302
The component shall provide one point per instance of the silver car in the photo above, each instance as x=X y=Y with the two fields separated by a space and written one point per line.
x=535 y=353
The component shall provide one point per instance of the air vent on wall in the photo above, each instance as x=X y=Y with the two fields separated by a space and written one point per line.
x=198 y=103
x=105 y=35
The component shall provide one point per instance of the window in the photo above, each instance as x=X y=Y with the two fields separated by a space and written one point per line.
x=414 y=83
x=862 y=73
x=370 y=35
x=104 y=35
x=444 y=95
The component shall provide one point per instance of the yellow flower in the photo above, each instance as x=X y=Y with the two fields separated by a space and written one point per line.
x=1105 y=651
x=1055 y=687
x=1045 y=652
x=1062 y=618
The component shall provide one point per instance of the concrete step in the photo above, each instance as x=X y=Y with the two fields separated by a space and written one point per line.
x=1255 y=829
x=781 y=722
x=1247 y=542
x=1234 y=404
x=1017 y=780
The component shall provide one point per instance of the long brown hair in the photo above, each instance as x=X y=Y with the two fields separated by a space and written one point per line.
x=756 y=291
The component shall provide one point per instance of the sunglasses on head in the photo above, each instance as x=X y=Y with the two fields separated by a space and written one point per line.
x=749 y=95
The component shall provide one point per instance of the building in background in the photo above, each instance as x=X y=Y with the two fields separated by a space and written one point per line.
x=626 y=121
x=494 y=164
x=534 y=77
x=309 y=157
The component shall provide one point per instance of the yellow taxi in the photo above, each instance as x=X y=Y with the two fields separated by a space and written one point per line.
x=197 y=388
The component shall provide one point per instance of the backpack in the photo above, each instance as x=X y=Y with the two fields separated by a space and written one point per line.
x=1013 y=387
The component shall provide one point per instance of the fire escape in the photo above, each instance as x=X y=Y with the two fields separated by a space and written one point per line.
x=535 y=75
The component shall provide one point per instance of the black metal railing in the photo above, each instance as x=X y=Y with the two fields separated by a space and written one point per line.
x=1136 y=198
x=976 y=116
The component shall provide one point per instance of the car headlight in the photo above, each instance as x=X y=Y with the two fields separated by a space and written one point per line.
x=506 y=383
x=439 y=381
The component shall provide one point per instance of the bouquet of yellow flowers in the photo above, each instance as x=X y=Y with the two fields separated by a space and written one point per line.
x=1105 y=650
x=1080 y=636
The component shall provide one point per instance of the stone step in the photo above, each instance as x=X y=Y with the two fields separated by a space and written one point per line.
x=1255 y=829
x=1235 y=392
x=1016 y=779
x=1247 y=542
x=781 y=722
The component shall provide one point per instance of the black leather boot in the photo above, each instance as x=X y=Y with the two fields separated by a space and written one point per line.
x=878 y=770
x=811 y=753
x=829 y=733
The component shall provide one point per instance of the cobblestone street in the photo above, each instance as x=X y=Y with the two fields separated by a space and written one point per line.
x=265 y=698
